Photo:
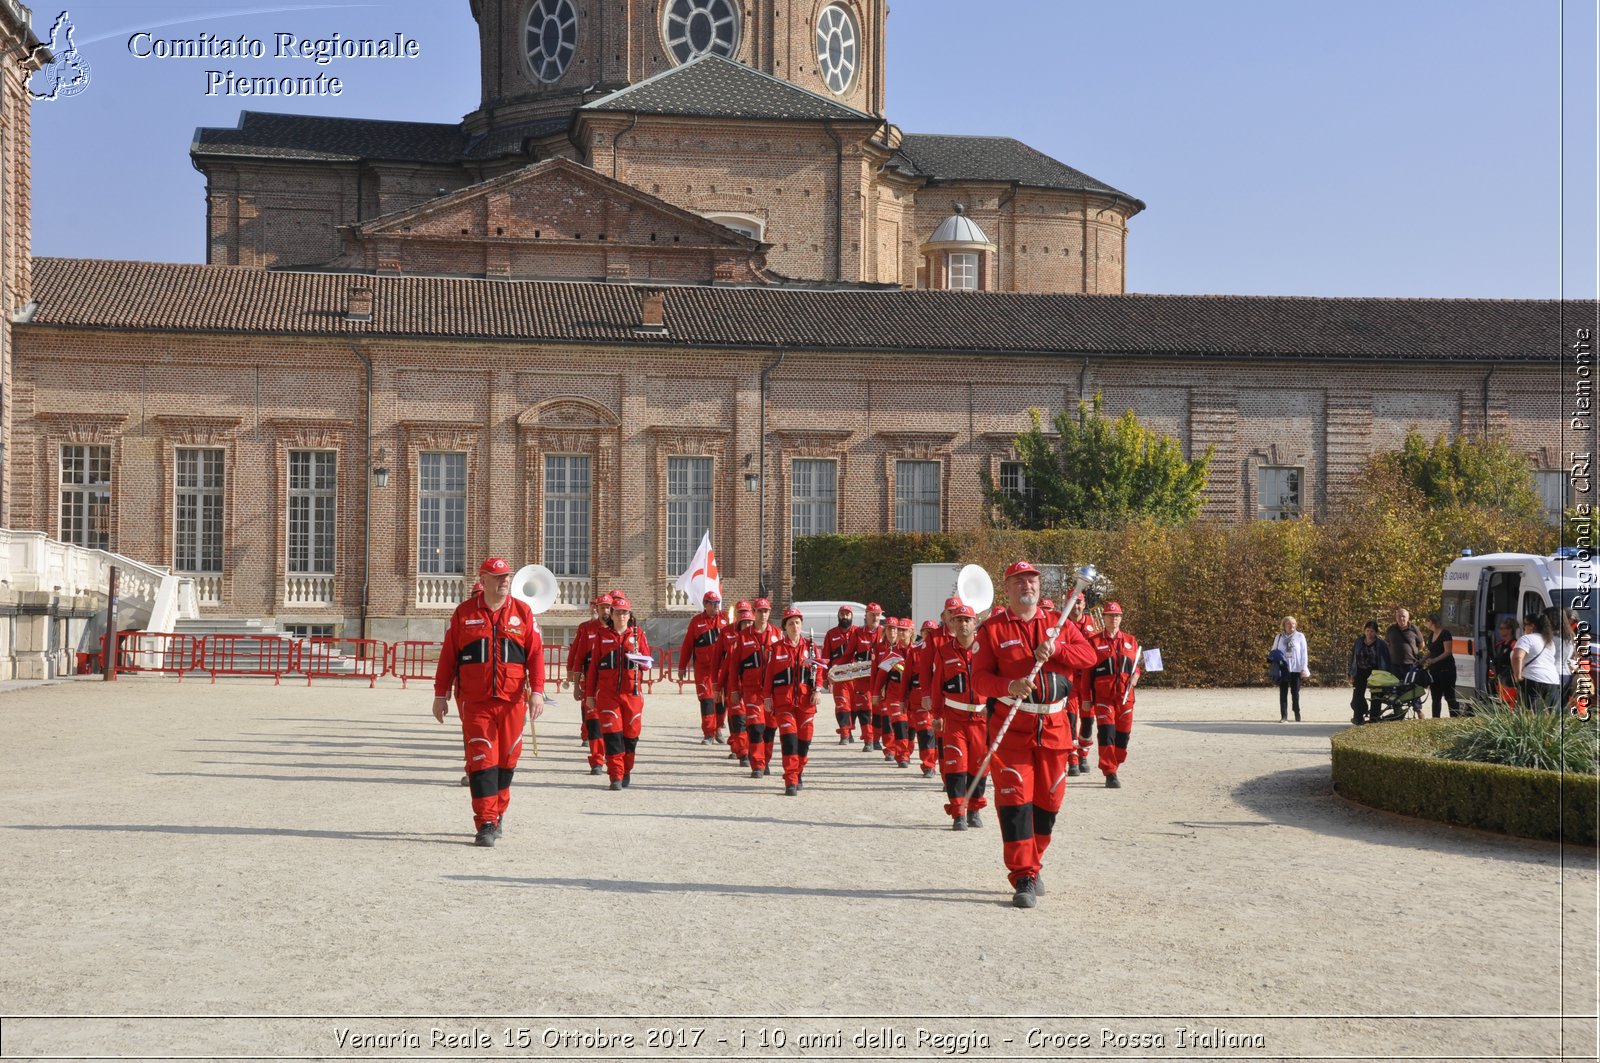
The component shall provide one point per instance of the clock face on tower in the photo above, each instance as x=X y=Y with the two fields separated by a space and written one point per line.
x=837 y=44
x=552 y=38
x=692 y=28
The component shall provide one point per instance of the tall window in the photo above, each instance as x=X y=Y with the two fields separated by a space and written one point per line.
x=1014 y=479
x=1553 y=492
x=313 y=510
x=688 y=509
x=86 y=496
x=916 y=496
x=566 y=514
x=1278 y=493
x=963 y=271
x=813 y=503
x=441 y=514
x=197 y=510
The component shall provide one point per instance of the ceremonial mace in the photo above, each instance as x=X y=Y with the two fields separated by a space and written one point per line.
x=1086 y=575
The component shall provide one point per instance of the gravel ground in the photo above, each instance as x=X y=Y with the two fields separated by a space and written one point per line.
x=177 y=854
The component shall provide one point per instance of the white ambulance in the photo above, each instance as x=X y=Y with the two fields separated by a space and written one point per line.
x=1481 y=591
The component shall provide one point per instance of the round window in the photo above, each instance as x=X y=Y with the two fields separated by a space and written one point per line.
x=692 y=28
x=552 y=38
x=837 y=45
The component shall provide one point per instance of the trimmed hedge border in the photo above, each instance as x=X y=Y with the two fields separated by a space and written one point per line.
x=1391 y=766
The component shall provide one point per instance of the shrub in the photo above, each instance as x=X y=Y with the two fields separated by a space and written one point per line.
x=1395 y=766
x=1547 y=741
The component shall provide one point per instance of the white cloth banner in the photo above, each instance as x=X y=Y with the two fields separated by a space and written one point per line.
x=1152 y=660
x=702 y=576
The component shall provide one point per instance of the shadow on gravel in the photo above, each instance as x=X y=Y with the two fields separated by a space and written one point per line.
x=985 y=897
x=1237 y=727
x=943 y=828
x=242 y=832
x=1304 y=798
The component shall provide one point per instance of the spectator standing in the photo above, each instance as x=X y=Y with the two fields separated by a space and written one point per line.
x=1369 y=654
x=1441 y=665
x=1504 y=676
x=1292 y=644
x=1534 y=662
x=1407 y=647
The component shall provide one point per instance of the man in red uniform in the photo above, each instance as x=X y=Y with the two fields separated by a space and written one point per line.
x=578 y=673
x=769 y=727
x=1117 y=654
x=789 y=691
x=700 y=643
x=1030 y=759
x=919 y=700
x=729 y=696
x=614 y=686
x=741 y=676
x=864 y=648
x=1080 y=706
x=493 y=658
x=964 y=729
x=888 y=695
x=836 y=650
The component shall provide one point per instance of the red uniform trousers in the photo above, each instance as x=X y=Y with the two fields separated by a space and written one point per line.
x=705 y=690
x=795 y=725
x=746 y=721
x=1080 y=723
x=593 y=734
x=621 y=721
x=762 y=731
x=1030 y=782
x=963 y=742
x=1115 y=720
x=896 y=728
x=921 y=721
x=491 y=730
x=861 y=709
x=844 y=704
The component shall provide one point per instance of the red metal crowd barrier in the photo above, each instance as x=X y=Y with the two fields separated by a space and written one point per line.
x=157 y=651
x=413 y=660
x=262 y=655
x=342 y=659
x=555 y=667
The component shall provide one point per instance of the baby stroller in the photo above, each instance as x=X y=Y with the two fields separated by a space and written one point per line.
x=1393 y=696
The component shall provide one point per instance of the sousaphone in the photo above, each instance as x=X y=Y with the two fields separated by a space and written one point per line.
x=975 y=588
x=537 y=586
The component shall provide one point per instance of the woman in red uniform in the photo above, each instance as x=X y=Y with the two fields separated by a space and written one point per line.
x=700 y=646
x=964 y=729
x=616 y=668
x=742 y=659
x=789 y=690
x=1118 y=654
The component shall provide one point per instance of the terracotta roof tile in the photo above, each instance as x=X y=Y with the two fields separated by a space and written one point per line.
x=192 y=298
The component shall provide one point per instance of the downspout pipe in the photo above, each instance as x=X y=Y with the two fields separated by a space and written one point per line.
x=366 y=490
x=838 y=201
x=616 y=143
x=1487 y=379
x=761 y=523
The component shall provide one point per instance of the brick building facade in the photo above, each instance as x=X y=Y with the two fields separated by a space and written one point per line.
x=677 y=272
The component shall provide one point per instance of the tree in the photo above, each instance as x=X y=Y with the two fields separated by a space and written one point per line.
x=1471 y=471
x=1098 y=473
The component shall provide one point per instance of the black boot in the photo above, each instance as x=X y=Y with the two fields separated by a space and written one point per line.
x=973 y=819
x=1025 y=895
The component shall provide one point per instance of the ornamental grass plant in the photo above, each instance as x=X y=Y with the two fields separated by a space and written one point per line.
x=1544 y=741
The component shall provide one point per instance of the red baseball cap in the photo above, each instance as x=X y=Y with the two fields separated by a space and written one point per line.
x=1111 y=609
x=845 y=610
x=620 y=601
x=711 y=596
x=604 y=599
x=874 y=607
x=762 y=603
x=495 y=566
x=930 y=625
x=962 y=609
x=1047 y=604
x=746 y=614
x=952 y=604
x=792 y=613
x=1021 y=568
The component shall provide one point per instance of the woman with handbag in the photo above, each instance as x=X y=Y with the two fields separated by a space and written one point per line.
x=1295 y=665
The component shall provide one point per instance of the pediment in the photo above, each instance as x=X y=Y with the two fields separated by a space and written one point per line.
x=556 y=201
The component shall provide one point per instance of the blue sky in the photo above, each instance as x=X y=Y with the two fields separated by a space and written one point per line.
x=1402 y=148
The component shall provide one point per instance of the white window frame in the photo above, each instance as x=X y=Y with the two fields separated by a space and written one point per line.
x=812 y=509
x=1017 y=474
x=567 y=513
x=1271 y=502
x=442 y=513
x=83 y=478
x=743 y=224
x=316 y=544
x=961 y=271
x=690 y=493
x=1555 y=491
x=916 y=508
x=198 y=509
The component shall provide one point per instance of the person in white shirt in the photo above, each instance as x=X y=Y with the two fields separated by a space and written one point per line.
x=1292 y=644
x=1533 y=662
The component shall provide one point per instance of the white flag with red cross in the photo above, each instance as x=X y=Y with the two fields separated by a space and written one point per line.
x=702 y=576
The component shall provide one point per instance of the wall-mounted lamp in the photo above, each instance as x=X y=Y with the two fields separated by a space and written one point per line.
x=380 y=468
x=752 y=482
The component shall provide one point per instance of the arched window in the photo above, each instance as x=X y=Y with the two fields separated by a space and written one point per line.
x=552 y=38
x=692 y=28
x=838 y=44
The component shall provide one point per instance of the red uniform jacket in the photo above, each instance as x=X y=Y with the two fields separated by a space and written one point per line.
x=1005 y=652
x=887 y=682
x=1083 y=681
x=836 y=646
x=863 y=642
x=933 y=642
x=952 y=674
x=611 y=674
x=719 y=659
x=578 y=652
x=492 y=655
x=1116 y=657
x=743 y=657
x=700 y=642
x=789 y=678
x=911 y=676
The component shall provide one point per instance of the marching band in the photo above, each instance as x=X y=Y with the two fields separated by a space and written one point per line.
x=1019 y=694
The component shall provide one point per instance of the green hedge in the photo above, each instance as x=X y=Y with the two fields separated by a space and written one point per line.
x=1393 y=766
x=1211 y=596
